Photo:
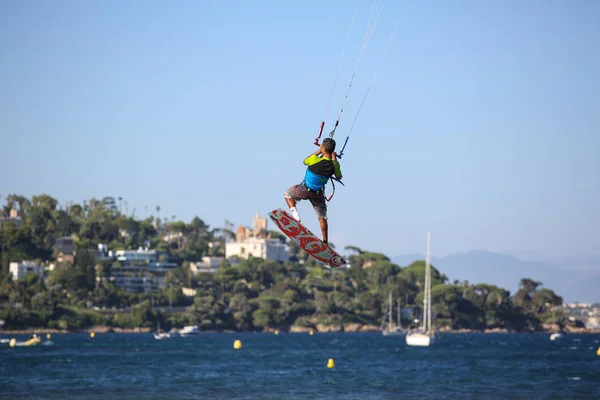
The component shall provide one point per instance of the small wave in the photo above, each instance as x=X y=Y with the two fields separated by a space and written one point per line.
x=575 y=378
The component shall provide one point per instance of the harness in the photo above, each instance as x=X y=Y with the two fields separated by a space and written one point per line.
x=320 y=191
x=303 y=184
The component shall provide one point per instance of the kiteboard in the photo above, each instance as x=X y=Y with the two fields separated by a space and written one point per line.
x=307 y=240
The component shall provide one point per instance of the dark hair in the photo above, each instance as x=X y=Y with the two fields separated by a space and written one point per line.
x=329 y=145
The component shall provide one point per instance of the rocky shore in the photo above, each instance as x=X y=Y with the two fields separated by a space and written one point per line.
x=97 y=329
x=352 y=327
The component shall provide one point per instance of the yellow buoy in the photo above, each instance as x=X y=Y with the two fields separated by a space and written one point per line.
x=33 y=341
x=48 y=336
x=237 y=344
x=330 y=363
x=13 y=342
x=277 y=332
x=598 y=352
x=311 y=332
x=92 y=334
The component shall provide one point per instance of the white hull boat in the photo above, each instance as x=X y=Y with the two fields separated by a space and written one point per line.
x=424 y=336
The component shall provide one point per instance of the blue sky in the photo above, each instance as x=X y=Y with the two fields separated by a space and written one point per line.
x=482 y=126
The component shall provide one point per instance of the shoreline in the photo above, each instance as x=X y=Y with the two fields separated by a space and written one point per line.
x=106 y=329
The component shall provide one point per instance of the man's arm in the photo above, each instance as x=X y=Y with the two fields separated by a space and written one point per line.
x=336 y=165
x=313 y=158
x=338 y=169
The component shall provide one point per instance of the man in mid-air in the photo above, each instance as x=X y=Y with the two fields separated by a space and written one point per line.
x=321 y=165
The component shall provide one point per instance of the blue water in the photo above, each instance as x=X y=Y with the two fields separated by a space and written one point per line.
x=293 y=366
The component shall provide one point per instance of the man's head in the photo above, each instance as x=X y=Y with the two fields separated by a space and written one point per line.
x=328 y=145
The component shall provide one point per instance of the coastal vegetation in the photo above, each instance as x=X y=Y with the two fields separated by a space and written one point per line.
x=256 y=294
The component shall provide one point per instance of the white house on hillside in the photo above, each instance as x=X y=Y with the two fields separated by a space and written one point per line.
x=270 y=249
x=256 y=243
x=19 y=269
x=208 y=264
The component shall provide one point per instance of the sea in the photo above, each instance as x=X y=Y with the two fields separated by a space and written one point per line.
x=295 y=366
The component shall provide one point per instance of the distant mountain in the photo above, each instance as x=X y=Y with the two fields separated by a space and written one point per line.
x=589 y=263
x=572 y=279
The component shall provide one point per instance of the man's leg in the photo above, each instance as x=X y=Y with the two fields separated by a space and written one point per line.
x=290 y=202
x=320 y=207
x=324 y=227
x=291 y=195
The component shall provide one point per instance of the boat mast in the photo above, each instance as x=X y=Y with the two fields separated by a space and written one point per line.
x=428 y=285
x=390 y=312
x=424 y=324
x=399 y=324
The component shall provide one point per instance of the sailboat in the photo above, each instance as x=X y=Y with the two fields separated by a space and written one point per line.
x=555 y=335
x=391 y=329
x=3 y=339
x=158 y=335
x=424 y=335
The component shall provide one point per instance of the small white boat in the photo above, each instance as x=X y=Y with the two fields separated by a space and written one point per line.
x=189 y=330
x=2 y=339
x=420 y=339
x=158 y=335
x=396 y=331
x=424 y=336
x=392 y=329
x=555 y=335
x=162 y=335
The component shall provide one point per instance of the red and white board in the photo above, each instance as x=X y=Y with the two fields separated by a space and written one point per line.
x=307 y=240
